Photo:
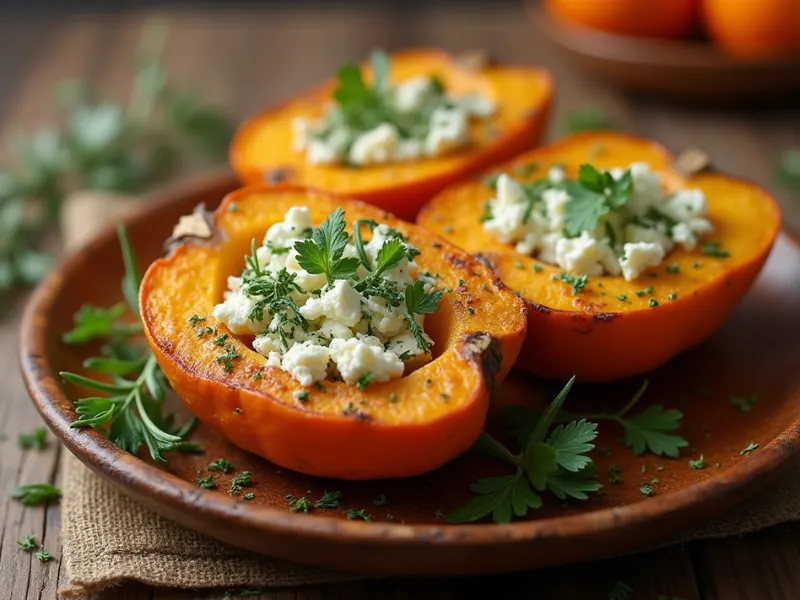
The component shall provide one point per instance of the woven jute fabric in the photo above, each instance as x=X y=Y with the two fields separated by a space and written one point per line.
x=109 y=539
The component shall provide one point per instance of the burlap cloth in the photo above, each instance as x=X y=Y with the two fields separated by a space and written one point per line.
x=108 y=539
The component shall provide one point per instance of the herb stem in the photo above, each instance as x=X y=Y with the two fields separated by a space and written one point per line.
x=359 y=244
x=636 y=397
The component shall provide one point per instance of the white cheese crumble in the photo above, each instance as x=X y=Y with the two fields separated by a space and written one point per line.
x=423 y=121
x=356 y=329
x=628 y=239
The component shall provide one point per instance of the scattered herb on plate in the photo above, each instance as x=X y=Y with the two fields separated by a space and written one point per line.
x=34 y=494
x=130 y=411
x=556 y=463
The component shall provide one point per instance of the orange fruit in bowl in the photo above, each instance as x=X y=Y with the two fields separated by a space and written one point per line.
x=651 y=18
x=754 y=29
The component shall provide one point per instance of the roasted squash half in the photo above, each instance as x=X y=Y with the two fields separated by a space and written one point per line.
x=262 y=152
x=616 y=328
x=402 y=427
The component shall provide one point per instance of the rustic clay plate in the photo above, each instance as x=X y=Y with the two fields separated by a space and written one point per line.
x=755 y=353
x=685 y=70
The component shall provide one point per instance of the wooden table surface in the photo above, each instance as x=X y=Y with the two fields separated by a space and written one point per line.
x=246 y=59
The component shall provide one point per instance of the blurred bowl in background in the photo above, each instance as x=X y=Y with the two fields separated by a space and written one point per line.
x=685 y=70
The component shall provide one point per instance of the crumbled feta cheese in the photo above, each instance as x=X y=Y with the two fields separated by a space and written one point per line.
x=300 y=337
x=556 y=174
x=555 y=201
x=449 y=130
x=235 y=313
x=375 y=146
x=586 y=255
x=646 y=188
x=638 y=257
x=357 y=356
x=685 y=205
x=476 y=105
x=306 y=362
x=646 y=217
x=636 y=233
x=412 y=93
x=281 y=235
x=339 y=302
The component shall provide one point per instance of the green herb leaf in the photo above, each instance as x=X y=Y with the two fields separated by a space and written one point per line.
x=35 y=493
x=329 y=500
x=594 y=194
x=389 y=255
x=591 y=118
x=221 y=465
x=567 y=484
x=27 y=543
x=323 y=252
x=571 y=442
x=36 y=439
x=43 y=555
x=648 y=431
x=379 y=62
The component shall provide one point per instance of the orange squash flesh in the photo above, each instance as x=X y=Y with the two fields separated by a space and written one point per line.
x=262 y=148
x=595 y=334
x=398 y=428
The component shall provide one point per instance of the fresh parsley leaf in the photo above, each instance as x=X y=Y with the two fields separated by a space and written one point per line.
x=323 y=252
x=92 y=323
x=36 y=439
x=571 y=442
x=27 y=543
x=713 y=249
x=43 y=555
x=649 y=431
x=420 y=303
x=646 y=490
x=131 y=413
x=594 y=194
x=389 y=255
x=35 y=493
x=556 y=465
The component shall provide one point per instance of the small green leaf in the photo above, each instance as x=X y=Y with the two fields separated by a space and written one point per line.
x=35 y=493
x=540 y=460
x=648 y=431
x=379 y=62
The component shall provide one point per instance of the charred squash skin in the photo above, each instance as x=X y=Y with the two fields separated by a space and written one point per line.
x=608 y=331
x=261 y=151
x=400 y=428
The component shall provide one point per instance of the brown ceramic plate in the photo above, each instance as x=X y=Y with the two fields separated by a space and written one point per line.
x=755 y=353
x=683 y=70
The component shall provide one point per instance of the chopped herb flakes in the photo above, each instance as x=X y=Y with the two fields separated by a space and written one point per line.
x=302 y=396
x=299 y=504
x=221 y=465
x=27 y=543
x=578 y=283
x=748 y=449
x=207 y=483
x=360 y=513
x=646 y=490
x=698 y=464
x=744 y=403
x=614 y=472
x=652 y=302
x=713 y=249
x=329 y=500
x=237 y=483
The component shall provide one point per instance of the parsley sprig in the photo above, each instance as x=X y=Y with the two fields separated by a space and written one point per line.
x=652 y=430
x=594 y=194
x=419 y=302
x=556 y=463
x=323 y=252
x=130 y=411
x=34 y=494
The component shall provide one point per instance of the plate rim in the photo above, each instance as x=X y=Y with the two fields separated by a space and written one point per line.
x=138 y=478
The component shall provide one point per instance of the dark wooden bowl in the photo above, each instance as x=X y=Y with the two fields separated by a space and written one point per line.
x=694 y=71
x=756 y=352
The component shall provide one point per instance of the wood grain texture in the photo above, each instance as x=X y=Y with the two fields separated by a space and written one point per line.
x=238 y=59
